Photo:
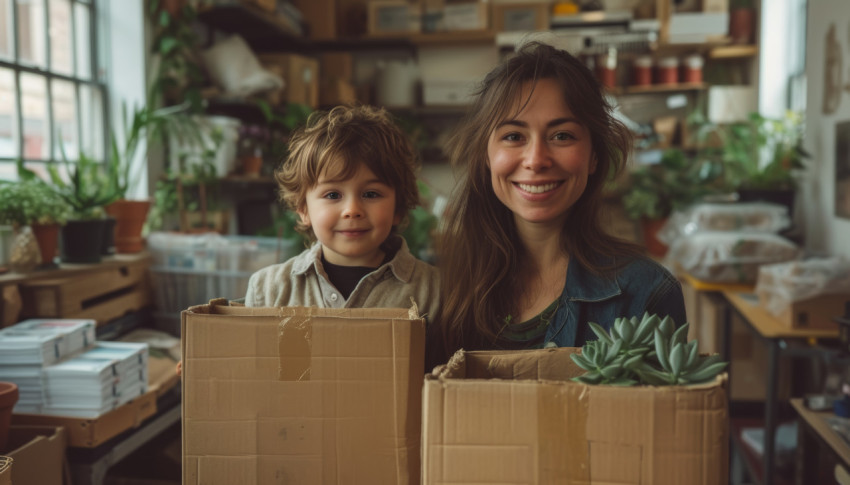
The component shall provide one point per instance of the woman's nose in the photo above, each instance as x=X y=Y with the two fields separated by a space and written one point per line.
x=537 y=156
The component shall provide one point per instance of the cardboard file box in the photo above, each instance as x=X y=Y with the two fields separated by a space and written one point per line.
x=301 y=395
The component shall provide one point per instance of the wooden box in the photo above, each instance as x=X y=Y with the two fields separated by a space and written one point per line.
x=301 y=76
x=101 y=294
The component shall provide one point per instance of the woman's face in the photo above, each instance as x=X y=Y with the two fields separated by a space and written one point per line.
x=541 y=158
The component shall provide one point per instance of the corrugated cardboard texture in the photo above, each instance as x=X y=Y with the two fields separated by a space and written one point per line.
x=39 y=454
x=296 y=395
x=482 y=425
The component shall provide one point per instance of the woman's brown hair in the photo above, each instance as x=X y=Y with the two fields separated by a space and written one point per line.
x=335 y=143
x=480 y=250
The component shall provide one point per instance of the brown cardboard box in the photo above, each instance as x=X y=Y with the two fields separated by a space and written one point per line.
x=301 y=75
x=5 y=470
x=38 y=453
x=514 y=417
x=88 y=432
x=301 y=395
x=336 y=91
x=813 y=313
x=320 y=16
x=337 y=65
x=268 y=5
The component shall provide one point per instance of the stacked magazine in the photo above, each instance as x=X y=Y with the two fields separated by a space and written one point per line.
x=97 y=380
x=26 y=348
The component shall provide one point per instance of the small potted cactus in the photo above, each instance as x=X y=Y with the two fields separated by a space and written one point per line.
x=648 y=351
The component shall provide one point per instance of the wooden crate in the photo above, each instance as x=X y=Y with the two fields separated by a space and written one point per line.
x=101 y=294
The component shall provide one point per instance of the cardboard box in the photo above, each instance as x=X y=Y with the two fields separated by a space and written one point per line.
x=320 y=17
x=303 y=395
x=5 y=470
x=514 y=417
x=301 y=77
x=812 y=313
x=394 y=17
x=466 y=16
x=92 y=432
x=336 y=91
x=337 y=65
x=38 y=453
x=267 y=5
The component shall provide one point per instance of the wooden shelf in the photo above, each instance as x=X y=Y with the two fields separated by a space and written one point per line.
x=73 y=269
x=660 y=88
x=733 y=52
x=259 y=28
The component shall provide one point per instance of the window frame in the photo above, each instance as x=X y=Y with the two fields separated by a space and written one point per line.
x=96 y=81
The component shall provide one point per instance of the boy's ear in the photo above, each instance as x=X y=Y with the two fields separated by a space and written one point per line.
x=305 y=217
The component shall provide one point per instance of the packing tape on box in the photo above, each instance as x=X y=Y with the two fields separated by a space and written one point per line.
x=294 y=349
x=563 y=408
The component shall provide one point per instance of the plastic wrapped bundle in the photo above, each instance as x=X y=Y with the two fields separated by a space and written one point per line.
x=780 y=285
x=730 y=257
x=741 y=216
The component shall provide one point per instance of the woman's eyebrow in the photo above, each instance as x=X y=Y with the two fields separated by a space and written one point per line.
x=523 y=124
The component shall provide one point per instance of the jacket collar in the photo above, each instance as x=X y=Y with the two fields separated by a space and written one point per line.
x=401 y=265
x=584 y=285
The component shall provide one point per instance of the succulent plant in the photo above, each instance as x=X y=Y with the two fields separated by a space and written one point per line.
x=650 y=350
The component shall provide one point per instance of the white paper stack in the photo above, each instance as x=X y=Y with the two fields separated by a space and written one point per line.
x=27 y=347
x=97 y=380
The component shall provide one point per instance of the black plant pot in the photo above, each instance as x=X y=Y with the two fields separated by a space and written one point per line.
x=108 y=248
x=82 y=241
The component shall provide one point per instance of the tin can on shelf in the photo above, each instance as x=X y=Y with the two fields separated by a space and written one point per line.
x=642 y=71
x=667 y=70
x=692 y=69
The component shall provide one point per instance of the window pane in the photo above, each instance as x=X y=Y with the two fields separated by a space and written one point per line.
x=83 y=44
x=91 y=118
x=34 y=106
x=65 y=119
x=61 y=47
x=8 y=115
x=31 y=32
x=7 y=48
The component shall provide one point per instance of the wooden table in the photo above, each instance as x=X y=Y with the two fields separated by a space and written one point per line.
x=813 y=425
x=779 y=338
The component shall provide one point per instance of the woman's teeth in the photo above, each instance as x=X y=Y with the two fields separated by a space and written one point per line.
x=538 y=189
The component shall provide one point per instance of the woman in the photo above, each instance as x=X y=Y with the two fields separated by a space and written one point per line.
x=525 y=262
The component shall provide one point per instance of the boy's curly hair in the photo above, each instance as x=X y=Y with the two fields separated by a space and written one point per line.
x=335 y=142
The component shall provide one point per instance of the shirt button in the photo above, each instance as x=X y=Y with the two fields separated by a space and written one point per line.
x=334 y=296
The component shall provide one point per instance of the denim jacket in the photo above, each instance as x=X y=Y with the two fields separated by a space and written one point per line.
x=639 y=286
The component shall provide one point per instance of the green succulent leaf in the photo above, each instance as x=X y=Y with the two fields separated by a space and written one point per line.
x=582 y=362
x=600 y=332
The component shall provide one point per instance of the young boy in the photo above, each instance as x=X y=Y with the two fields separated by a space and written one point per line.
x=350 y=176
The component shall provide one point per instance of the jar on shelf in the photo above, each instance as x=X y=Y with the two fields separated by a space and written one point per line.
x=692 y=69
x=666 y=70
x=642 y=71
x=606 y=68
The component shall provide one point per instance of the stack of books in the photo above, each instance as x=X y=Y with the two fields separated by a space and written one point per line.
x=97 y=380
x=28 y=347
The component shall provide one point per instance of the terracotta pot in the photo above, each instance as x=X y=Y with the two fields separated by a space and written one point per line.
x=47 y=236
x=251 y=166
x=742 y=25
x=130 y=217
x=8 y=398
x=650 y=228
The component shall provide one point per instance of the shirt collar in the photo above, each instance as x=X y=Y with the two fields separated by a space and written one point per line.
x=401 y=265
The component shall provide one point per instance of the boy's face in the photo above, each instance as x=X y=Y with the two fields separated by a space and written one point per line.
x=351 y=217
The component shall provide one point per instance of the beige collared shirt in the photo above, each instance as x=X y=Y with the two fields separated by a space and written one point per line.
x=302 y=281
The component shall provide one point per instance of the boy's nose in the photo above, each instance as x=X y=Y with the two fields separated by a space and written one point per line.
x=352 y=211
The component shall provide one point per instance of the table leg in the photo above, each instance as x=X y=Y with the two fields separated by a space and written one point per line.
x=770 y=421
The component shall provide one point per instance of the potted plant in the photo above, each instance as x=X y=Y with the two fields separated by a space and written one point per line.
x=763 y=156
x=657 y=190
x=31 y=203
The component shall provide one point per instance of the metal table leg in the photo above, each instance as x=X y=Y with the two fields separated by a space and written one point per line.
x=770 y=411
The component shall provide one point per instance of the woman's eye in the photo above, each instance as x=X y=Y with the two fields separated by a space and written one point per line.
x=371 y=194
x=512 y=137
x=332 y=195
x=563 y=136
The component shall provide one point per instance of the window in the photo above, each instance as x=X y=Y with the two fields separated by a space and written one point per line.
x=52 y=95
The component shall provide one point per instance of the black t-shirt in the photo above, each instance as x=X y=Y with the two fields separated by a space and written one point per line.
x=345 y=278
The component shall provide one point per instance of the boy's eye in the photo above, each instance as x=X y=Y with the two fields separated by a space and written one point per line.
x=371 y=194
x=332 y=195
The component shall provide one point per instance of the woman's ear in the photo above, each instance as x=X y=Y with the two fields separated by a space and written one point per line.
x=592 y=169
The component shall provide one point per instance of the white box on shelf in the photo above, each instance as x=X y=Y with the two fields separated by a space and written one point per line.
x=446 y=92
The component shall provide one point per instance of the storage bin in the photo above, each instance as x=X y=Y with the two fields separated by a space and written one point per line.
x=190 y=269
